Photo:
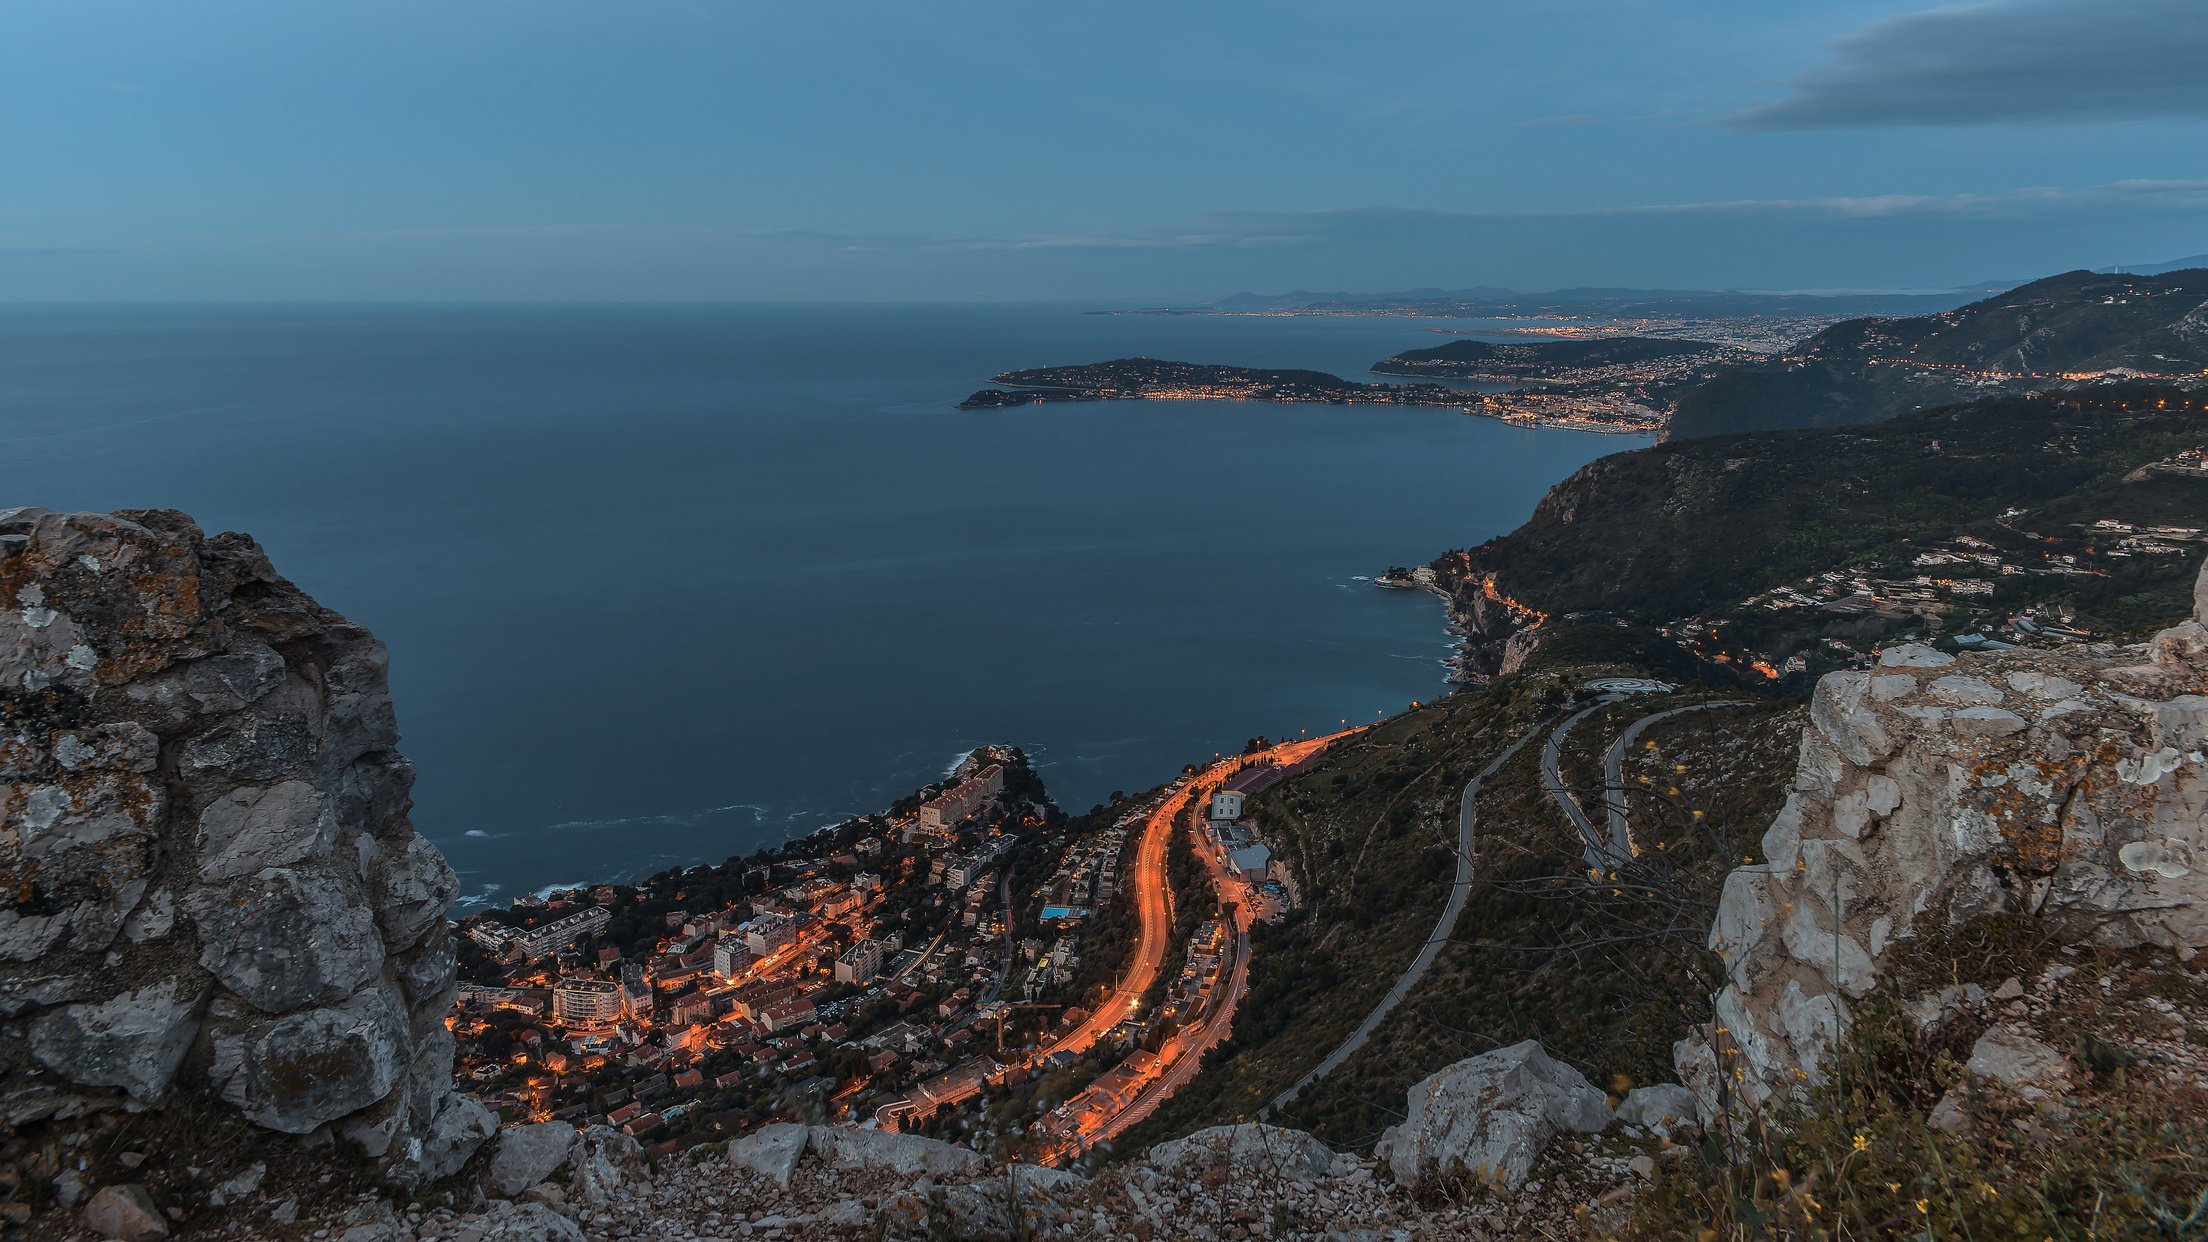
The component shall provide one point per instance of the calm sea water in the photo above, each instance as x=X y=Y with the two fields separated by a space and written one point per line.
x=666 y=583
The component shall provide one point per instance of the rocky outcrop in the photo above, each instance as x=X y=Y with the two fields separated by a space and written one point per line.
x=1251 y=1149
x=525 y=1156
x=1491 y=1116
x=203 y=831
x=2066 y=786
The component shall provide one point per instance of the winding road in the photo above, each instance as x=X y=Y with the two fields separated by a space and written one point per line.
x=1613 y=771
x=1597 y=852
x=1459 y=892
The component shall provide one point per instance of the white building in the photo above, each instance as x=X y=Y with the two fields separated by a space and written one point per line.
x=586 y=1002
x=768 y=933
x=944 y=811
x=731 y=955
x=1226 y=805
x=860 y=963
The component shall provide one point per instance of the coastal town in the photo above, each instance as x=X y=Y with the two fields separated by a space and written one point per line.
x=1589 y=407
x=916 y=969
x=2011 y=583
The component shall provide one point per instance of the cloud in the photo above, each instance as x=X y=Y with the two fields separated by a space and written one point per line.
x=1571 y=119
x=2043 y=62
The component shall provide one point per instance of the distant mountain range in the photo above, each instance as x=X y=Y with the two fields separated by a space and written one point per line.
x=1496 y=300
x=2157 y=269
x=1488 y=302
x=2068 y=327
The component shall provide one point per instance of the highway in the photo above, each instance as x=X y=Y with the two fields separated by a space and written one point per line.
x=1181 y=1057
x=1460 y=890
x=1154 y=908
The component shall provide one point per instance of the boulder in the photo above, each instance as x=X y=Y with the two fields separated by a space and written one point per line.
x=2011 y=1055
x=455 y=1131
x=309 y=1068
x=133 y=1040
x=1661 y=1108
x=602 y=1161
x=771 y=1151
x=126 y=1214
x=526 y=1155
x=1251 y=1149
x=1491 y=1116
x=906 y=1155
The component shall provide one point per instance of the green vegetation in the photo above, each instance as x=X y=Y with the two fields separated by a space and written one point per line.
x=1543 y=950
x=1862 y=1159
x=1695 y=527
x=1539 y=357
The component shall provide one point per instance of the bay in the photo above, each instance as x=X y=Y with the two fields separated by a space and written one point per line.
x=664 y=583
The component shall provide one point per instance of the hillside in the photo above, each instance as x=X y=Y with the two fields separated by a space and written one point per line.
x=1543 y=359
x=2014 y=506
x=236 y=1026
x=1154 y=379
x=1370 y=832
x=2075 y=326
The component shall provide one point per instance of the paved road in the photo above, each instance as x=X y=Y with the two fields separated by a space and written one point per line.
x=1597 y=852
x=1459 y=892
x=1613 y=771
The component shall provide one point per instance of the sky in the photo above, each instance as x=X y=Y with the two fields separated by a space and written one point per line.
x=1130 y=152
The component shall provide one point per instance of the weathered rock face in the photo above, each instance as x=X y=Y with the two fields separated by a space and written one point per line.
x=1934 y=789
x=1491 y=1116
x=1252 y=1149
x=203 y=834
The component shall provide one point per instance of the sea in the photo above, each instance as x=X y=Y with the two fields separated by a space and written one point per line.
x=668 y=583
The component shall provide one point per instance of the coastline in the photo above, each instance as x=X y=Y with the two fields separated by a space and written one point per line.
x=1043 y=394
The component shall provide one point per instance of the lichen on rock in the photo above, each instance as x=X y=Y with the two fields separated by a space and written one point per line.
x=203 y=834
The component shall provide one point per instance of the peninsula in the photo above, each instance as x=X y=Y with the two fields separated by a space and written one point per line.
x=1151 y=379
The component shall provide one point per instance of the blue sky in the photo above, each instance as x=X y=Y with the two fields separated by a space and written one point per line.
x=722 y=149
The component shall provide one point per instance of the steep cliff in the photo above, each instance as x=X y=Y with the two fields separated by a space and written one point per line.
x=2065 y=790
x=214 y=888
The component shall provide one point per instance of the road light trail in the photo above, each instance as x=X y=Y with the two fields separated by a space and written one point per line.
x=1181 y=1057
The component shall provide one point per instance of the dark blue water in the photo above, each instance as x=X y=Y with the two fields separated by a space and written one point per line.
x=666 y=583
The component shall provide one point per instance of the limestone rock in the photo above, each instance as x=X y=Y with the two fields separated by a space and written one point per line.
x=1250 y=1149
x=302 y=1070
x=456 y=1129
x=286 y=939
x=603 y=1161
x=1491 y=1116
x=1661 y=1108
x=526 y=1155
x=2012 y=1055
x=1025 y=1202
x=2066 y=784
x=907 y=1155
x=125 y=1213
x=771 y=1151
x=198 y=783
x=527 y=1222
x=133 y=1040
